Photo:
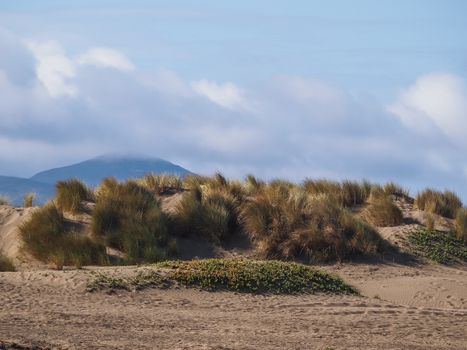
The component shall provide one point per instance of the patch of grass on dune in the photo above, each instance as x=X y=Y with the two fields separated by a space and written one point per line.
x=438 y=246
x=46 y=237
x=442 y=203
x=6 y=264
x=245 y=276
x=70 y=194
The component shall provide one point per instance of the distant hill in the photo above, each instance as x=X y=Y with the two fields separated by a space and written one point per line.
x=91 y=171
x=14 y=188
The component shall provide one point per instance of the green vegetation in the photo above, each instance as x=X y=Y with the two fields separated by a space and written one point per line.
x=45 y=236
x=246 y=276
x=441 y=247
x=461 y=224
x=29 y=200
x=129 y=218
x=71 y=193
x=442 y=203
x=6 y=264
x=381 y=211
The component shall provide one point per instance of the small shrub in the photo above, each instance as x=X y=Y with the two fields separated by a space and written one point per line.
x=4 y=200
x=391 y=188
x=461 y=224
x=29 y=200
x=381 y=211
x=289 y=224
x=70 y=194
x=162 y=184
x=6 y=264
x=129 y=218
x=45 y=236
x=442 y=203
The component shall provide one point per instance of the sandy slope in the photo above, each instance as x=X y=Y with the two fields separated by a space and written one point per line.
x=422 y=307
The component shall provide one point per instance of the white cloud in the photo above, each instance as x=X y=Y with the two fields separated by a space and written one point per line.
x=227 y=95
x=54 y=68
x=106 y=58
x=437 y=99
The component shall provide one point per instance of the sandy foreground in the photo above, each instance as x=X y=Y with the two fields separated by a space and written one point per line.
x=402 y=307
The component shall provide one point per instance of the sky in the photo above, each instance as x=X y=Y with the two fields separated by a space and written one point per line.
x=297 y=89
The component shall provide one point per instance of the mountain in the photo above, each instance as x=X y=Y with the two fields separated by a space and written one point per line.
x=14 y=188
x=91 y=171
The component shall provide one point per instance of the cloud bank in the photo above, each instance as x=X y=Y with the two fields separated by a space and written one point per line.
x=57 y=108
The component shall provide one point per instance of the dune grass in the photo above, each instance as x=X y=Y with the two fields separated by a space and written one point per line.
x=461 y=224
x=442 y=203
x=392 y=188
x=46 y=237
x=129 y=218
x=244 y=276
x=348 y=193
x=161 y=184
x=441 y=247
x=288 y=223
x=381 y=211
x=70 y=194
x=6 y=264
x=4 y=200
x=28 y=201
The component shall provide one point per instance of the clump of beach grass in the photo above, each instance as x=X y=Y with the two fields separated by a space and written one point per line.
x=46 y=237
x=442 y=203
x=128 y=217
x=70 y=193
x=461 y=224
x=381 y=210
x=6 y=264
x=28 y=201
x=162 y=184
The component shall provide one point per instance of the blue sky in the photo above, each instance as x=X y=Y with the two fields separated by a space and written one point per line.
x=354 y=89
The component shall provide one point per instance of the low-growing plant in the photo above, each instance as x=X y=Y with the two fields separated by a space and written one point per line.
x=250 y=276
x=129 y=218
x=245 y=276
x=45 y=236
x=70 y=194
x=6 y=264
x=439 y=246
x=381 y=211
x=461 y=224
x=442 y=203
x=29 y=200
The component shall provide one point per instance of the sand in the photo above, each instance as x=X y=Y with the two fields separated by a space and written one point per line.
x=401 y=307
x=405 y=303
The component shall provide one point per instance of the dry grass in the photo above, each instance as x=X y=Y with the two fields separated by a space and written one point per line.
x=348 y=193
x=391 y=188
x=442 y=203
x=129 y=218
x=461 y=224
x=29 y=200
x=289 y=223
x=70 y=194
x=6 y=264
x=162 y=184
x=381 y=211
x=4 y=200
x=45 y=236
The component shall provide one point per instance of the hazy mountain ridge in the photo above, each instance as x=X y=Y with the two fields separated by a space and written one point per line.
x=90 y=171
